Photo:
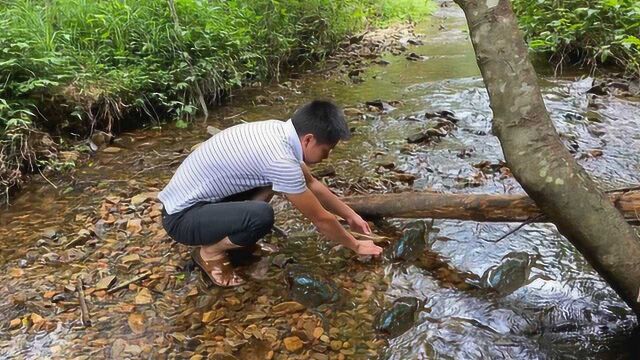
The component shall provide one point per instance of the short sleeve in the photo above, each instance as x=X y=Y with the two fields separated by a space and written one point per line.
x=286 y=176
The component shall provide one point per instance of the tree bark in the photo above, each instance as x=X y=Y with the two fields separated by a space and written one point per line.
x=474 y=207
x=538 y=159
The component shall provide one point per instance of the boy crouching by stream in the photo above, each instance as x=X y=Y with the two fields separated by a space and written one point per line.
x=218 y=198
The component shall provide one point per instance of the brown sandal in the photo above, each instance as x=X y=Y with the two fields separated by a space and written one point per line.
x=219 y=271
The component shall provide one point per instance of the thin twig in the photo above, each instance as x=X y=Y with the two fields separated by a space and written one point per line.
x=624 y=190
x=84 y=310
x=236 y=115
x=52 y=184
x=130 y=281
x=526 y=222
x=175 y=162
x=320 y=71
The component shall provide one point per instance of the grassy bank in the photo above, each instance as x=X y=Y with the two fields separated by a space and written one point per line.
x=70 y=66
x=584 y=33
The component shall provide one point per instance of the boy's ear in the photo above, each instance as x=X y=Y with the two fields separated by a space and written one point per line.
x=306 y=138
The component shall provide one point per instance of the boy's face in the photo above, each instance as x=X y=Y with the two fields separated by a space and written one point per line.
x=313 y=151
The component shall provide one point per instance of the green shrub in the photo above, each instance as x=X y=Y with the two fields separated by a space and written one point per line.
x=591 y=33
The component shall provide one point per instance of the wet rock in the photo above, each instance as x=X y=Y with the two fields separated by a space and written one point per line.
x=444 y=114
x=599 y=89
x=353 y=112
x=311 y=289
x=386 y=163
x=287 y=307
x=99 y=139
x=412 y=243
x=512 y=273
x=336 y=345
x=404 y=177
x=112 y=150
x=281 y=260
x=573 y=117
x=293 y=344
x=60 y=297
x=593 y=116
x=51 y=233
x=597 y=131
x=430 y=134
x=594 y=152
x=380 y=105
x=381 y=62
x=356 y=39
x=399 y=318
x=101 y=228
x=355 y=72
x=415 y=57
x=417 y=138
x=488 y=167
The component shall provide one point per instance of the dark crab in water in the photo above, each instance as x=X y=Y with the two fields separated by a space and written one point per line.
x=412 y=243
x=311 y=289
x=512 y=273
x=399 y=318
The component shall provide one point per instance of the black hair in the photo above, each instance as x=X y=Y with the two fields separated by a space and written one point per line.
x=322 y=118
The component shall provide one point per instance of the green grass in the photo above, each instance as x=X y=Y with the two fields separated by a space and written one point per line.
x=68 y=66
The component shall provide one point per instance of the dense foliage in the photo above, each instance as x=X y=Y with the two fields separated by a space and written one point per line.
x=583 y=32
x=68 y=66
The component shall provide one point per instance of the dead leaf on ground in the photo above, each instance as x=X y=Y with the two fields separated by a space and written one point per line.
x=136 y=323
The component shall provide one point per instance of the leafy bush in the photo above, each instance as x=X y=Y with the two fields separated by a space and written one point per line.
x=582 y=32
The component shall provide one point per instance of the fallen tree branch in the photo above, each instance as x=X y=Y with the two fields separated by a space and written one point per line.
x=474 y=207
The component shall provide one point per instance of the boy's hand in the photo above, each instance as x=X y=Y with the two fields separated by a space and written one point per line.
x=357 y=224
x=367 y=247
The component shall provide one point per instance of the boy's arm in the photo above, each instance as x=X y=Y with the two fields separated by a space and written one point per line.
x=332 y=203
x=328 y=225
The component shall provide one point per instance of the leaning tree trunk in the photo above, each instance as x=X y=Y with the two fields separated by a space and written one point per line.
x=537 y=157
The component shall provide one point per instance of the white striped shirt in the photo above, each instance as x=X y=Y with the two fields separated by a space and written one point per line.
x=237 y=159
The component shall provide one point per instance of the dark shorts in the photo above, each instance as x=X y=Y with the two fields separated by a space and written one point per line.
x=243 y=221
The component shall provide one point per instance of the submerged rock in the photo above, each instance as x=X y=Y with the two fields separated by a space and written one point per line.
x=411 y=244
x=399 y=318
x=512 y=273
x=311 y=289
